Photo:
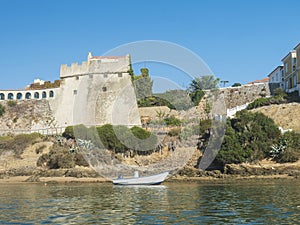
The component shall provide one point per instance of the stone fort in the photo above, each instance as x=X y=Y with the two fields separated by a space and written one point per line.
x=95 y=92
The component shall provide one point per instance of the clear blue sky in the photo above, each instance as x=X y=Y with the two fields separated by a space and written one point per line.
x=240 y=40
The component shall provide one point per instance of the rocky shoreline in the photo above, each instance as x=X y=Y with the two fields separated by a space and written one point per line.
x=264 y=170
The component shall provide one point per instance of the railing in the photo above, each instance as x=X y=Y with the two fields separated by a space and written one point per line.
x=233 y=111
x=44 y=131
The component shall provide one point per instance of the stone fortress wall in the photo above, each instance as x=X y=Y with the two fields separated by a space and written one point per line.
x=96 y=92
x=237 y=96
x=99 y=91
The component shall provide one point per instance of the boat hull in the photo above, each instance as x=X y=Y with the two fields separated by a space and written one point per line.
x=147 y=180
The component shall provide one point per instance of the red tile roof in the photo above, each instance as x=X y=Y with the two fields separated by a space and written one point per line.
x=264 y=80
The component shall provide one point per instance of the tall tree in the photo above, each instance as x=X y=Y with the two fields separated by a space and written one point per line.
x=143 y=84
x=204 y=83
x=199 y=84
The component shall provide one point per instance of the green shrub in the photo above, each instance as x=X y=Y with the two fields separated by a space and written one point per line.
x=172 y=121
x=61 y=158
x=140 y=133
x=11 y=103
x=2 y=110
x=259 y=103
x=289 y=145
x=69 y=132
x=248 y=138
x=279 y=93
x=196 y=96
x=288 y=155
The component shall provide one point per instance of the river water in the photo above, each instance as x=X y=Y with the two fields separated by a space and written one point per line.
x=254 y=202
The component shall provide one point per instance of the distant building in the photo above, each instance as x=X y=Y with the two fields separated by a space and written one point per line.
x=289 y=69
x=277 y=78
x=39 y=81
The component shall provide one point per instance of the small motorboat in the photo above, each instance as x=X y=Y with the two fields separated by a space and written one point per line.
x=137 y=180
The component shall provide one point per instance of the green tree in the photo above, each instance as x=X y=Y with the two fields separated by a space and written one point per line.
x=198 y=85
x=196 y=96
x=204 y=83
x=236 y=85
x=143 y=84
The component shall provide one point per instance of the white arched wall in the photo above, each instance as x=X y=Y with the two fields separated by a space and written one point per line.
x=28 y=94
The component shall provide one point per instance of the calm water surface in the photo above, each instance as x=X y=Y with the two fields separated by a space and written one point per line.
x=259 y=202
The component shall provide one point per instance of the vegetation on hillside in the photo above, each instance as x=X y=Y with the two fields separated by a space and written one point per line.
x=61 y=158
x=279 y=97
x=142 y=84
x=198 y=85
x=174 y=99
x=18 y=143
x=2 y=110
x=119 y=139
x=252 y=136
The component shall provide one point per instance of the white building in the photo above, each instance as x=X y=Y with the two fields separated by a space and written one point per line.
x=277 y=77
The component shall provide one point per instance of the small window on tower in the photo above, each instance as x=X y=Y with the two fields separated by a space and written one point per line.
x=105 y=75
x=75 y=92
x=104 y=89
x=77 y=77
x=91 y=76
x=120 y=74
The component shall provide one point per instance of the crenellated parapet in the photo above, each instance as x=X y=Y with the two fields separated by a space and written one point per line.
x=96 y=65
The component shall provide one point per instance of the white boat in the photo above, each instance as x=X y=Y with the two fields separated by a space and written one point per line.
x=137 y=180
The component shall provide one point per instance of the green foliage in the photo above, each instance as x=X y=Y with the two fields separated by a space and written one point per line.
x=151 y=101
x=198 y=85
x=131 y=72
x=121 y=139
x=259 y=103
x=288 y=148
x=140 y=133
x=109 y=139
x=172 y=121
x=69 y=132
x=248 y=138
x=204 y=83
x=118 y=139
x=176 y=99
x=279 y=93
x=18 y=143
x=145 y=72
x=61 y=158
x=11 y=103
x=2 y=110
x=58 y=157
x=236 y=85
x=289 y=155
x=279 y=97
x=196 y=96
x=142 y=84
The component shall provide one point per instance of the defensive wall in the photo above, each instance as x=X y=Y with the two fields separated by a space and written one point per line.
x=96 y=92
x=99 y=91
